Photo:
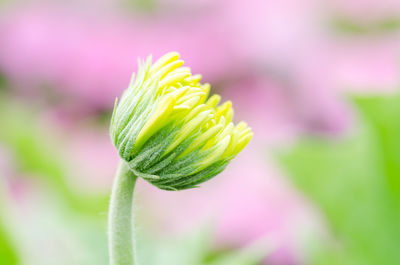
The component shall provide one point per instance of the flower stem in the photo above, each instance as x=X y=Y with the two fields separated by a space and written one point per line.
x=120 y=218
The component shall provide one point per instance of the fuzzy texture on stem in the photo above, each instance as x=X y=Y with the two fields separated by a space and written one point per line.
x=168 y=131
x=120 y=218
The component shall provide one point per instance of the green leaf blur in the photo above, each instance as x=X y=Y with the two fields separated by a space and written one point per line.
x=356 y=182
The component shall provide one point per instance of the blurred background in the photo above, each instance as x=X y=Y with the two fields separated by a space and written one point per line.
x=316 y=80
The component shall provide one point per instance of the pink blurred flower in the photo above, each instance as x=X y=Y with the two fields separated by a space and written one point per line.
x=93 y=59
x=366 y=65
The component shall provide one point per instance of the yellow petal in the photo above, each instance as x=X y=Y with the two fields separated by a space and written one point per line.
x=202 y=139
x=188 y=128
x=164 y=60
x=215 y=155
x=213 y=101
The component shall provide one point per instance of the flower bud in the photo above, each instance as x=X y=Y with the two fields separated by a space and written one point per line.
x=168 y=130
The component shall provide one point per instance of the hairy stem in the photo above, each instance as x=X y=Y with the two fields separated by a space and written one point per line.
x=120 y=218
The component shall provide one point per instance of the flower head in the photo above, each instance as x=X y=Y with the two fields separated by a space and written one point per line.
x=169 y=131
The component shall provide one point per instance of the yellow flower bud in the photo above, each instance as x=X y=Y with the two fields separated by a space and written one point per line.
x=167 y=130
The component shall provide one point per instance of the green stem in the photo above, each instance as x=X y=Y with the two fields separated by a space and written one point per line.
x=120 y=218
